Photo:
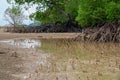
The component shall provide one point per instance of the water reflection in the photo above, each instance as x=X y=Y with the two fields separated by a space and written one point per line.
x=23 y=43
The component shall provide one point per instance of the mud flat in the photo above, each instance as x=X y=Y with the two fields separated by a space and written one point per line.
x=17 y=63
x=56 y=60
x=4 y=35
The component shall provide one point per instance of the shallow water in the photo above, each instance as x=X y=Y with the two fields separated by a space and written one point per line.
x=23 y=43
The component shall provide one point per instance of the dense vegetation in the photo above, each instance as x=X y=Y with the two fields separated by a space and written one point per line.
x=86 y=13
x=94 y=12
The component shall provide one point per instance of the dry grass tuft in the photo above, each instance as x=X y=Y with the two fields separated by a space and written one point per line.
x=84 y=60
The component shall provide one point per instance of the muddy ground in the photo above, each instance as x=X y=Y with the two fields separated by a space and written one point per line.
x=18 y=63
x=37 y=35
x=32 y=64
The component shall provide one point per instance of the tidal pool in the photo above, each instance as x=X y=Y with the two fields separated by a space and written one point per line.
x=23 y=43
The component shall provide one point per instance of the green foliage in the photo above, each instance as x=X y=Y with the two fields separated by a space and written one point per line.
x=113 y=10
x=93 y=12
x=71 y=7
x=85 y=12
x=52 y=10
x=47 y=16
x=15 y=10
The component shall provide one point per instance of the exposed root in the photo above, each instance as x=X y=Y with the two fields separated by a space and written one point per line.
x=110 y=32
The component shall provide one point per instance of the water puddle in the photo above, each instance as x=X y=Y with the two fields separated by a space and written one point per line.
x=23 y=43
